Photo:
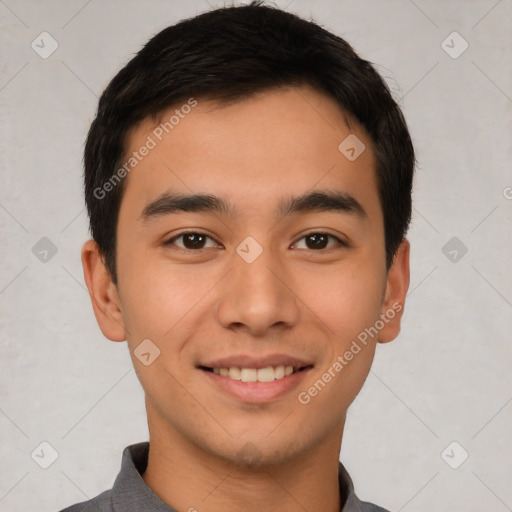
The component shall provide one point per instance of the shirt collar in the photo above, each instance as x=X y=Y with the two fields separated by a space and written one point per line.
x=131 y=494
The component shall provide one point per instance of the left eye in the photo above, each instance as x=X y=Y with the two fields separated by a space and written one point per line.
x=196 y=241
x=320 y=240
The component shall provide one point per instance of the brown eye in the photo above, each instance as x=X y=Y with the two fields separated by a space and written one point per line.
x=319 y=241
x=191 y=240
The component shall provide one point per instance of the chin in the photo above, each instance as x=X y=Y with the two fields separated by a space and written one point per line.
x=260 y=452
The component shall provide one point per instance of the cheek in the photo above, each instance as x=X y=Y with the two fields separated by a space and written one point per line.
x=347 y=299
x=348 y=302
x=157 y=296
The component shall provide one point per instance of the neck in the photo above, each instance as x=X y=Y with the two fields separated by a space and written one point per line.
x=189 y=478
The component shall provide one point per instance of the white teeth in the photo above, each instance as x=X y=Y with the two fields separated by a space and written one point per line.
x=279 y=372
x=234 y=373
x=267 y=374
x=248 y=375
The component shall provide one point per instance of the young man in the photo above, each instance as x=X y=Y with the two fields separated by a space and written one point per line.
x=248 y=180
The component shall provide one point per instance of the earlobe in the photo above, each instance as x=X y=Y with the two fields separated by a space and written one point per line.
x=396 y=290
x=103 y=293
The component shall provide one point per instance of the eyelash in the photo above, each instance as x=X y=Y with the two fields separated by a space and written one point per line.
x=169 y=242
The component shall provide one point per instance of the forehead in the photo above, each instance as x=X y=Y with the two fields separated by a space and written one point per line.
x=278 y=141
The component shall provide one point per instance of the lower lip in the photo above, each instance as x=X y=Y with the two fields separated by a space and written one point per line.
x=257 y=392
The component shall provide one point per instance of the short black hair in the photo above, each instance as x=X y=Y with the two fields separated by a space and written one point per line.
x=228 y=54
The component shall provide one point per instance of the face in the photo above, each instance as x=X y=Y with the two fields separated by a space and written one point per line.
x=255 y=285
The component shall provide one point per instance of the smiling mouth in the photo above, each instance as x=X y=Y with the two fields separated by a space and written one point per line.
x=267 y=374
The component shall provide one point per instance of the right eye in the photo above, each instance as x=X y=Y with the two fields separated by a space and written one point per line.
x=192 y=241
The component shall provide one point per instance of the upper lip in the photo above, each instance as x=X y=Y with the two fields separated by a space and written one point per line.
x=248 y=361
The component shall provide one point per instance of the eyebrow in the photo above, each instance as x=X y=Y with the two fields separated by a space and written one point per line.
x=315 y=201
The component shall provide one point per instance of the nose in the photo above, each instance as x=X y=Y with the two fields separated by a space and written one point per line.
x=258 y=296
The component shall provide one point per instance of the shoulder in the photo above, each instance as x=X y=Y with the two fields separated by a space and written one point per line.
x=101 y=503
x=354 y=504
x=370 y=507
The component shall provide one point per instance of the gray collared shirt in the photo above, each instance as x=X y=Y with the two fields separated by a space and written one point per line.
x=131 y=494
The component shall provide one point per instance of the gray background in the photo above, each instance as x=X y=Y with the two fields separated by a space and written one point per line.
x=446 y=378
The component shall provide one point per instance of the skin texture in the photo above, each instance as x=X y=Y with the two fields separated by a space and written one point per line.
x=293 y=299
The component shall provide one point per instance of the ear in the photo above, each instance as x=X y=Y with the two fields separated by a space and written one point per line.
x=103 y=292
x=396 y=290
